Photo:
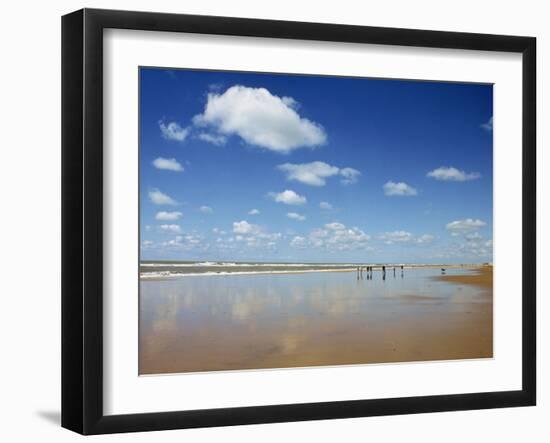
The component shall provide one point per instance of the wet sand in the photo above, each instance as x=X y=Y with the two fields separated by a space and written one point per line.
x=482 y=276
x=197 y=324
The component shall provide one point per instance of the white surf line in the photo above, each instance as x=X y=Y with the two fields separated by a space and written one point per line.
x=158 y=275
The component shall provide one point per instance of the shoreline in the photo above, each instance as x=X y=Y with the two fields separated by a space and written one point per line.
x=161 y=275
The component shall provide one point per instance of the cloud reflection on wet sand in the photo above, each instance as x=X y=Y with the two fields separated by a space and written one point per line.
x=273 y=321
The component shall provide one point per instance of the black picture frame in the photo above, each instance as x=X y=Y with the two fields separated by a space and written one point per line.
x=82 y=218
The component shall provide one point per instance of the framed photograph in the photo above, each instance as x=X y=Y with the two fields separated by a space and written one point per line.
x=269 y=221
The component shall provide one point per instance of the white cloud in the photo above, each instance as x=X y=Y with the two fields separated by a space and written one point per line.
x=473 y=236
x=288 y=197
x=217 y=140
x=299 y=242
x=173 y=131
x=335 y=226
x=254 y=236
x=465 y=226
x=426 y=238
x=170 y=164
x=173 y=229
x=325 y=205
x=313 y=173
x=296 y=216
x=168 y=216
x=398 y=189
x=316 y=173
x=350 y=176
x=334 y=237
x=341 y=238
x=452 y=174
x=405 y=237
x=160 y=198
x=206 y=210
x=243 y=227
x=186 y=243
x=488 y=126
x=254 y=212
x=396 y=236
x=260 y=119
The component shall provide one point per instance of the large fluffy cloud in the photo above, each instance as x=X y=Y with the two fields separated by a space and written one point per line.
x=316 y=173
x=288 y=197
x=398 y=189
x=445 y=173
x=260 y=119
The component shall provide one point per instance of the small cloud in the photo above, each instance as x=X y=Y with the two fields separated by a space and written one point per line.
x=316 y=173
x=350 y=176
x=260 y=118
x=159 y=198
x=288 y=197
x=296 y=216
x=243 y=227
x=206 y=210
x=170 y=164
x=405 y=237
x=468 y=225
x=396 y=236
x=217 y=140
x=398 y=189
x=473 y=236
x=168 y=216
x=172 y=229
x=426 y=238
x=488 y=126
x=325 y=205
x=298 y=242
x=313 y=174
x=173 y=131
x=445 y=173
x=254 y=212
x=335 y=236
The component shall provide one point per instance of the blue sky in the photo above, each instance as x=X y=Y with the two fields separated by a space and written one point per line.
x=250 y=166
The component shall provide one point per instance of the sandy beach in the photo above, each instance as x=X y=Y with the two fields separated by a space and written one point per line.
x=196 y=324
x=481 y=276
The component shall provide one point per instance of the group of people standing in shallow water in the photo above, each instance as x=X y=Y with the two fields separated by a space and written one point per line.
x=369 y=269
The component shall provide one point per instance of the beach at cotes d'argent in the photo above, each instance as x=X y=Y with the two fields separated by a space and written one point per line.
x=291 y=220
x=222 y=316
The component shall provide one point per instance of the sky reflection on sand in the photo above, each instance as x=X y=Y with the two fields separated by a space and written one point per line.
x=272 y=321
